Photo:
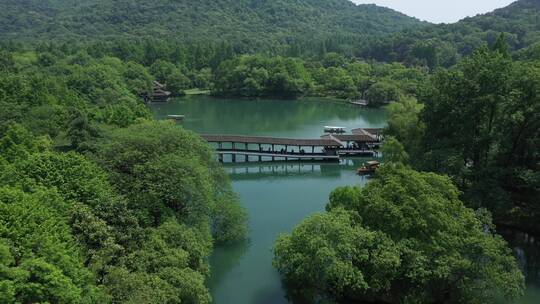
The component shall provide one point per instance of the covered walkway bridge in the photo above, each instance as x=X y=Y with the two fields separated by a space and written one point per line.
x=273 y=148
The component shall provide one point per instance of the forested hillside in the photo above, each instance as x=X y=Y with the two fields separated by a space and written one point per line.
x=444 y=44
x=253 y=24
x=292 y=28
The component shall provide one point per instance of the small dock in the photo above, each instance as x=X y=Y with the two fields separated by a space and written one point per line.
x=328 y=148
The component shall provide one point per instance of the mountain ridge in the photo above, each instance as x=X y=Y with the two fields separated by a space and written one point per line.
x=180 y=19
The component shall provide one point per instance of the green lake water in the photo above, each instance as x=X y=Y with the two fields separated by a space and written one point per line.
x=278 y=196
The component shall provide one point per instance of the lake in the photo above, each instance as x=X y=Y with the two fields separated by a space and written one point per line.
x=278 y=196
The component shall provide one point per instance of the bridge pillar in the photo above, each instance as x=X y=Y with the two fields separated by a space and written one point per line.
x=220 y=158
x=233 y=158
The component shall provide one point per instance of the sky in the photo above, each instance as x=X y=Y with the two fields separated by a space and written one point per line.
x=440 y=11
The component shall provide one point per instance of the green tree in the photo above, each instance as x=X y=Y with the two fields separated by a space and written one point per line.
x=165 y=172
x=394 y=151
x=477 y=118
x=404 y=238
x=405 y=125
x=382 y=92
x=80 y=130
x=41 y=261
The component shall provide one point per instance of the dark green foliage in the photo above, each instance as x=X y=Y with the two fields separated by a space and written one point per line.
x=261 y=76
x=250 y=25
x=481 y=127
x=479 y=124
x=404 y=238
x=442 y=45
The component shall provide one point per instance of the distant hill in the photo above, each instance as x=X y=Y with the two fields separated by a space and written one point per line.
x=288 y=27
x=444 y=43
x=259 y=23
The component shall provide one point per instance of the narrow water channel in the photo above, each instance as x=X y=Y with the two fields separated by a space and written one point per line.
x=279 y=195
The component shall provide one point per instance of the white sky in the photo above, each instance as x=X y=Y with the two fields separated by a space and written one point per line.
x=439 y=11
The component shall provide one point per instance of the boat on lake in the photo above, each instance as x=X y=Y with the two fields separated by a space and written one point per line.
x=369 y=168
x=360 y=102
x=176 y=117
x=334 y=130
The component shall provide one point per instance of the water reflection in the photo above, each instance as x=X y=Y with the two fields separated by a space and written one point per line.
x=277 y=170
x=225 y=258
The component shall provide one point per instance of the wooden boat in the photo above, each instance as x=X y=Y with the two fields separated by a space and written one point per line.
x=176 y=117
x=361 y=102
x=369 y=168
x=334 y=130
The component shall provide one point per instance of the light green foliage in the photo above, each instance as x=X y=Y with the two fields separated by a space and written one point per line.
x=74 y=177
x=138 y=79
x=165 y=172
x=17 y=143
x=405 y=126
x=262 y=76
x=336 y=81
x=173 y=185
x=394 y=151
x=382 y=92
x=172 y=260
x=331 y=255
x=404 y=238
x=40 y=259
x=170 y=75
x=333 y=75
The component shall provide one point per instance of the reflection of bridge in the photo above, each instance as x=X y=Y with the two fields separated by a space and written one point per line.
x=247 y=172
x=290 y=170
x=327 y=148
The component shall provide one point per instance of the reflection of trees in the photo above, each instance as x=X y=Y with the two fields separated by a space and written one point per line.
x=526 y=248
x=224 y=259
x=260 y=117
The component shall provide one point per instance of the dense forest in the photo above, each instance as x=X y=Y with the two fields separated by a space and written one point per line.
x=286 y=28
x=100 y=203
x=252 y=25
x=444 y=44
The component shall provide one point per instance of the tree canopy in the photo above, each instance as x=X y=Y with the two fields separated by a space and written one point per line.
x=404 y=238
